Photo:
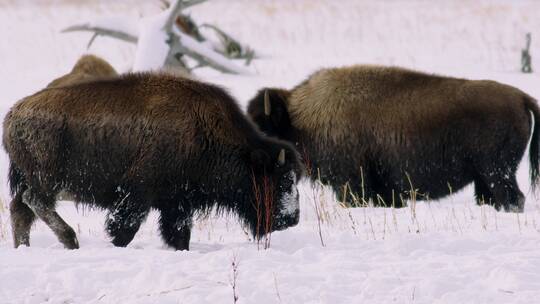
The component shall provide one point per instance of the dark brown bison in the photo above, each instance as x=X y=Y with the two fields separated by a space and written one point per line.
x=86 y=68
x=390 y=134
x=142 y=141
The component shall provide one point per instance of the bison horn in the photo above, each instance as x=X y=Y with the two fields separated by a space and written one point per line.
x=267 y=108
x=281 y=157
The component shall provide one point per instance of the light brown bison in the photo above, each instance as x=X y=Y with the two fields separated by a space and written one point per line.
x=141 y=141
x=86 y=68
x=390 y=134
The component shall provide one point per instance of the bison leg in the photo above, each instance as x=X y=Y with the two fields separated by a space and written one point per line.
x=125 y=219
x=353 y=193
x=504 y=191
x=44 y=208
x=392 y=199
x=483 y=193
x=175 y=226
x=507 y=194
x=22 y=218
x=383 y=194
x=345 y=195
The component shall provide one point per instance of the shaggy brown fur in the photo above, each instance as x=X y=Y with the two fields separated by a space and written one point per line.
x=388 y=133
x=86 y=68
x=142 y=141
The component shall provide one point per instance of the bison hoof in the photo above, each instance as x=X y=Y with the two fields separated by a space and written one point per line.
x=21 y=244
x=122 y=239
x=517 y=207
x=181 y=248
x=21 y=241
x=70 y=244
x=69 y=239
x=514 y=208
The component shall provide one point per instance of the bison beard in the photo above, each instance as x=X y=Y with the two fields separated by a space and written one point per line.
x=143 y=141
x=388 y=135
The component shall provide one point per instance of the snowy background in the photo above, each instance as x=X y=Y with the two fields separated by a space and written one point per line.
x=447 y=251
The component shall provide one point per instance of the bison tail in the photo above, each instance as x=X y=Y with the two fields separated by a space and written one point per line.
x=17 y=182
x=534 y=152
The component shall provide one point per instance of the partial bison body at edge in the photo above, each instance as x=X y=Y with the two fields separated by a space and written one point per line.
x=85 y=69
x=388 y=134
x=143 y=141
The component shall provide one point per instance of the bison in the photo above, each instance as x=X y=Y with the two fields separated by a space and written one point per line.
x=137 y=142
x=389 y=134
x=86 y=68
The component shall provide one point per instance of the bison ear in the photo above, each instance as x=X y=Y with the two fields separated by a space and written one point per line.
x=267 y=103
x=275 y=108
x=269 y=111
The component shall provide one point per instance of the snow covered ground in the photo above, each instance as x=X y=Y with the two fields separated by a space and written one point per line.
x=447 y=251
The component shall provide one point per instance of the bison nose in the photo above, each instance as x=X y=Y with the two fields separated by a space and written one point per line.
x=290 y=220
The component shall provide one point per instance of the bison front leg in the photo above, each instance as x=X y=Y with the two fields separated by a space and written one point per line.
x=175 y=226
x=125 y=219
x=43 y=206
x=22 y=218
x=351 y=194
x=483 y=193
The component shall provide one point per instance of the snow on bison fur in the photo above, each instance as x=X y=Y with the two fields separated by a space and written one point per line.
x=141 y=141
x=390 y=134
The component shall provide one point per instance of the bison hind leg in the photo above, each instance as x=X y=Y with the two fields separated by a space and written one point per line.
x=508 y=194
x=354 y=192
x=500 y=191
x=175 y=226
x=43 y=206
x=22 y=218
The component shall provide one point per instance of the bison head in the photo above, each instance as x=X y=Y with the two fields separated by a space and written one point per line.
x=275 y=172
x=268 y=109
